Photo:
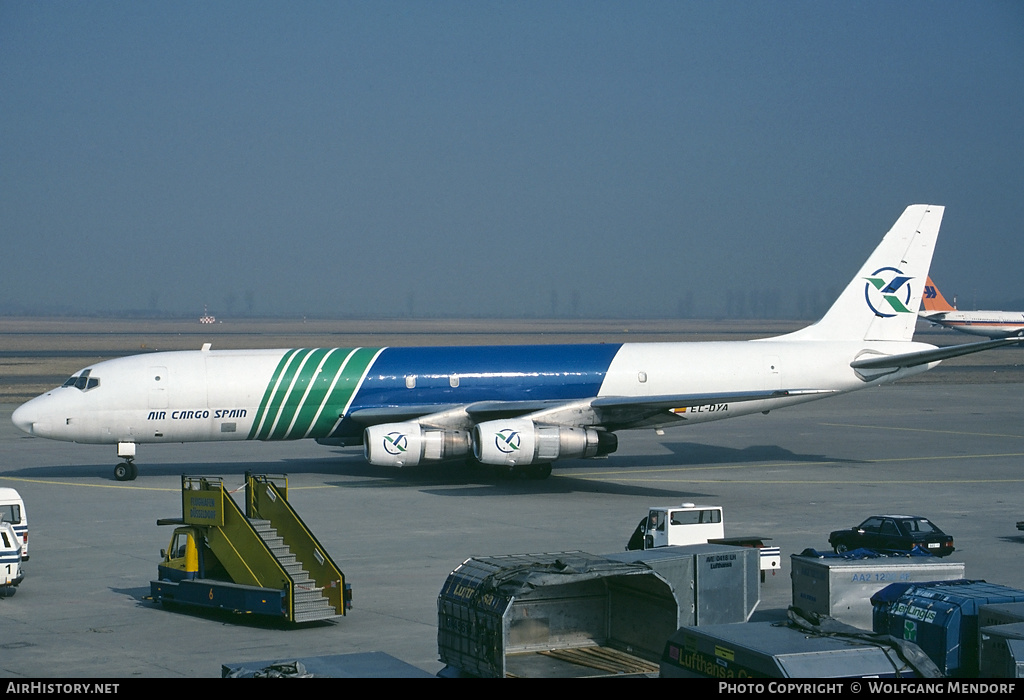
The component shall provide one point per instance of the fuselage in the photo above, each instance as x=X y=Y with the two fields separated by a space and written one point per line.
x=292 y=394
x=991 y=324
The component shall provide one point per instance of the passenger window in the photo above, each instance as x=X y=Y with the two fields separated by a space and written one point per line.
x=7 y=542
x=871 y=525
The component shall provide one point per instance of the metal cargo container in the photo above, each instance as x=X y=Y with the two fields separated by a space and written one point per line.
x=1000 y=614
x=712 y=583
x=771 y=650
x=842 y=588
x=1001 y=650
x=941 y=618
x=578 y=614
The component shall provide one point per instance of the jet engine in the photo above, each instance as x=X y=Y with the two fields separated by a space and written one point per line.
x=408 y=444
x=521 y=441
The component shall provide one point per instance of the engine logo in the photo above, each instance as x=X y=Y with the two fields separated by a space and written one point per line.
x=507 y=440
x=396 y=443
x=883 y=292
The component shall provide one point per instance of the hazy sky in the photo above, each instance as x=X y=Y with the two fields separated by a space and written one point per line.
x=500 y=158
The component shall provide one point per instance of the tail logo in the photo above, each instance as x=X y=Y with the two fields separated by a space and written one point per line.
x=930 y=292
x=883 y=292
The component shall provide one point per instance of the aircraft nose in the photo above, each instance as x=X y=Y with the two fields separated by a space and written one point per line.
x=26 y=417
x=22 y=419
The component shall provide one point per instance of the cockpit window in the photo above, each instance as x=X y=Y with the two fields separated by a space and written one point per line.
x=83 y=382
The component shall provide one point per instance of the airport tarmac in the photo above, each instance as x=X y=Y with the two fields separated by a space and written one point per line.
x=952 y=452
x=948 y=445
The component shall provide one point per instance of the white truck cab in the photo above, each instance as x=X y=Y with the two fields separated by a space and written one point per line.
x=688 y=523
x=683 y=524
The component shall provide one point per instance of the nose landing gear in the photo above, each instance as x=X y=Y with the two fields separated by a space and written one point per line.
x=126 y=470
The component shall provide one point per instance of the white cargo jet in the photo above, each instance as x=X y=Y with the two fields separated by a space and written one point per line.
x=517 y=407
x=993 y=324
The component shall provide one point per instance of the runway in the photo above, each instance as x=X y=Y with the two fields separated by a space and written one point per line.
x=950 y=452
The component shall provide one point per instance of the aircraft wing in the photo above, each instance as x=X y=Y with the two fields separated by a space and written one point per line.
x=617 y=412
x=453 y=415
x=611 y=412
x=923 y=357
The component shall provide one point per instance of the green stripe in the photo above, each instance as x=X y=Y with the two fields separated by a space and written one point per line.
x=296 y=391
x=316 y=391
x=280 y=390
x=344 y=389
x=309 y=392
x=261 y=414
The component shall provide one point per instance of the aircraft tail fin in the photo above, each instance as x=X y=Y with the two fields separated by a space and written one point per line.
x=882 y=301
x=933 y=299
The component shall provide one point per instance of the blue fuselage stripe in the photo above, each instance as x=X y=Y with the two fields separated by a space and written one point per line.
x=484 y=373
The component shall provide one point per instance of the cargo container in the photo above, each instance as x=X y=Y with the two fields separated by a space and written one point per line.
x=941 y=618
x=1000 y=614
x=574 y=614
x=773 y=650
x=842 y=588
x=1001 y=650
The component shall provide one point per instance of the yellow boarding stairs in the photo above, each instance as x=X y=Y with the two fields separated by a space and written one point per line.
x=263 y=561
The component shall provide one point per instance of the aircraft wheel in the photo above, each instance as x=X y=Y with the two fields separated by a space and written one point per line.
x=125 y=471
x=541 y=471
x=533 y=472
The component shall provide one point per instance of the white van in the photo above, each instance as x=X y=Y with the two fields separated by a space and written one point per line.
x=10 y=560
x=12 y=510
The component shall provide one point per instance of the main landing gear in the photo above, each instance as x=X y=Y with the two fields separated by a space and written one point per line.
x=532 y=472
x=126 y=470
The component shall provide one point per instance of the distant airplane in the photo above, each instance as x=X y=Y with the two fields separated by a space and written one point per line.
x=516 y=407
x=993 y=324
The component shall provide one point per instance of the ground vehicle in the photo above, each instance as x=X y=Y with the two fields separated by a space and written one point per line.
x=263 y=561
x=688 y=523
x=11 y=573
x=12 y=510
x=900 y=533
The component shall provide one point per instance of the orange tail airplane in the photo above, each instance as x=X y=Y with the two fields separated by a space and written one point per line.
x=992 y=324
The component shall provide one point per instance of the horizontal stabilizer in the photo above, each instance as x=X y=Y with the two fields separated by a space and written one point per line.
x=923 y=357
